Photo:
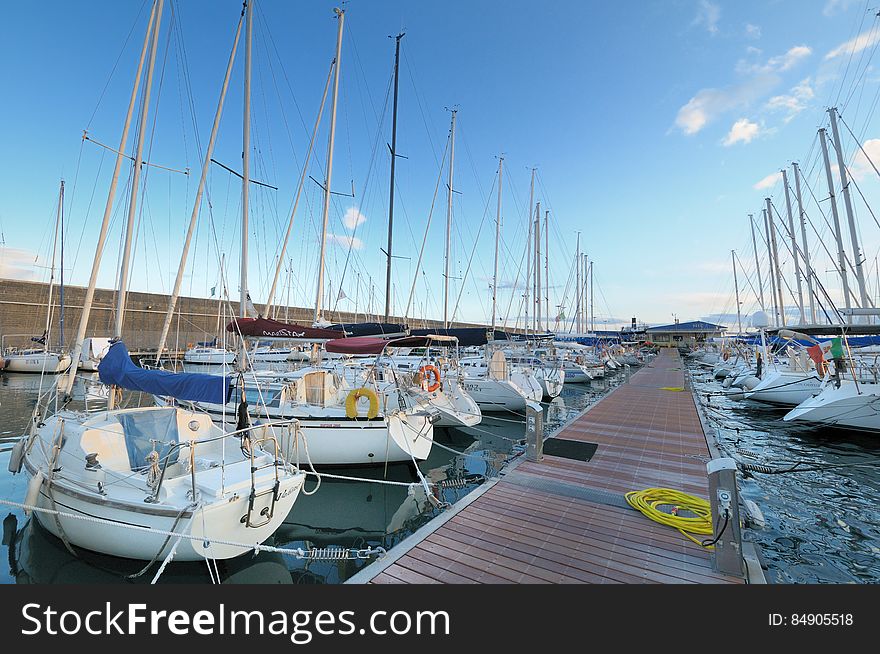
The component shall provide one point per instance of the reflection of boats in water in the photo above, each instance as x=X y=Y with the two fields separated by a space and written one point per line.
x=348 y=513
x=38 y=557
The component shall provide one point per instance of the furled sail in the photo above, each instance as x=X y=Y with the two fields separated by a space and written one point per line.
x=117 y=369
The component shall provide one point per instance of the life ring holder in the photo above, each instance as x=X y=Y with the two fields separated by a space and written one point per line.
x=351 y=402
x=425 y=372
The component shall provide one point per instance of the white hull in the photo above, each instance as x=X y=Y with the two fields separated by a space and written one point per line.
x=847 y=406
x=214 y=356
x=787 y=388
x=496 y=395
x=38 y=362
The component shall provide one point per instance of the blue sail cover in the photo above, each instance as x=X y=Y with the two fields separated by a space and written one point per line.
x=117 y=369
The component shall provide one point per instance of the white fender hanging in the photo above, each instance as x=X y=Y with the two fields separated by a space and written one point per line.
x=16 y=456
x=33 y=491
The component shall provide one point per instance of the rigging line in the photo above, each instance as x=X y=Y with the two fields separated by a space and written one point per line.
x=116 y=63
x=473 y=251
x=427 y=227
x=851 y=52
x=858 y=142
x=409 y=70
x=857 y=82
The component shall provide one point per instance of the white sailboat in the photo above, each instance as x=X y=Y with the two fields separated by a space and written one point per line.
x=152 y=482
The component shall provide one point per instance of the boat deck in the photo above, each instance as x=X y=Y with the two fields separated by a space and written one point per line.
x=566 y=521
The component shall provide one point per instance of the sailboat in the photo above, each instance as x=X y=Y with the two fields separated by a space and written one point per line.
x=151 y=482
x=40 y=359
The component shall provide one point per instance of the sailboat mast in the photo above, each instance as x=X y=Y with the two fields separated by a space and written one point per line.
x=449 y=220
x=858 y=258
x=841 y=254
x=391 y=192
x=246 y=163
x=108 y=209
x=61 y=271
x=794 y=248
x=591 y=327
x=175 y=293
x=52 y=272
x=135 y=179
x=546 y=272
x=757 y=262
x=577 y=284
x=537 y=268
x=775 y=260
x=497 y=237
x=529 y=247
x=736 y=288
x=808 y=273
x=340 y=13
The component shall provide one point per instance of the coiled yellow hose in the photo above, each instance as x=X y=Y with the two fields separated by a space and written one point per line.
x=650 y=500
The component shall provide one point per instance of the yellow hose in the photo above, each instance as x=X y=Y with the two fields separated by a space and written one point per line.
x=650 y=500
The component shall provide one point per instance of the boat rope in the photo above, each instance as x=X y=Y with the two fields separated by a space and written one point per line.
x=298 y=552
x=164 y=545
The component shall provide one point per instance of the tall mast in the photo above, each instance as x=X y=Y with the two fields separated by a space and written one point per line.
x=135 y=179
x=794 y=248
x=193 y=219
x=757 y=262
x=808 y=272
x=538 y=267
x=340 y=13
x=577 y=284
x=52 y=271
x=108 y=210
x=776 y=262
x=529 y=247
x=592 y=325
x=736 y=288
x=246 y=164
x=61 y=270
x=770 y=265
x=449 y=220
x=858 y=258
x=841 y=254
x=546 y=272
x=391 y=192
x=584 y=258
x=497 y=237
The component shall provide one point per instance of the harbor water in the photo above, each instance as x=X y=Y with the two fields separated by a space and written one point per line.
x=342 y=514
x=822 y=522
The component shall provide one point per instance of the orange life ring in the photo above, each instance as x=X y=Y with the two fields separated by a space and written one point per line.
x=434 y=371
x=725 y=356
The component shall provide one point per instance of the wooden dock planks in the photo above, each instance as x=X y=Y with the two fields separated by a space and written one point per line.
x=518 y=533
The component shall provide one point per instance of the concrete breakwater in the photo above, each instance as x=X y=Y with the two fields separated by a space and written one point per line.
x=23 y=312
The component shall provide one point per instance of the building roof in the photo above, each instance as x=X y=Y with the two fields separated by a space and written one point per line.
x=694 y=326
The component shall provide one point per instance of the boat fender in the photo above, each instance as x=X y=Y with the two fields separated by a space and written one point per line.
x=754 y=513
x=15 y=458
x=425 y=372
x=33 y=491
x=351 y=402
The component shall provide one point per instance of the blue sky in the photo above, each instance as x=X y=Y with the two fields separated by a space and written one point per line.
x=651 y=124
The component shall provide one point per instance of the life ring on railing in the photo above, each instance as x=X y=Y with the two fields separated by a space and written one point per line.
x=725 y=356
x=434 y=372
x=351 y=402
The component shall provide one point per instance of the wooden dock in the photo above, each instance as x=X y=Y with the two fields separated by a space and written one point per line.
x=566 y=521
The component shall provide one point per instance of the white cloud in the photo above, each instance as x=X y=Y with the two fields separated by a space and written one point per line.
x=708 y=16
x=346 y=241
x=18 y=264
x=759 y=80
x=768 y=182
x=794 y=102
x=753 y=31
x=861 y=165
x=834 y=6
x=742 y=131
x=777 y=64
x=855 y=45
x=353 y=217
